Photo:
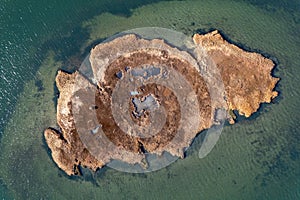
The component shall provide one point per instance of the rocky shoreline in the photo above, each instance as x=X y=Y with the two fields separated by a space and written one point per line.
x=247 y=83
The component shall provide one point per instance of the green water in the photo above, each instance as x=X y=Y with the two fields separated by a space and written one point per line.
x=257 y=158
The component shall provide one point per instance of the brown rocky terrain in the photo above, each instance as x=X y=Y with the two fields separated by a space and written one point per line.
x=93 y=132
x=246 y=75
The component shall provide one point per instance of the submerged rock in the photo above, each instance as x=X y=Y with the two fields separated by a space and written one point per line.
x=152 y=99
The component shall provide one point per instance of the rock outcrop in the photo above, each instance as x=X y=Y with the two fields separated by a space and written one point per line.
x=246 y=75
x=110 y=119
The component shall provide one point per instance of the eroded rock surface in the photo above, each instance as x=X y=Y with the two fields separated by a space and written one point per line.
x=68 y=152
x=246 y=75
x=123 y=122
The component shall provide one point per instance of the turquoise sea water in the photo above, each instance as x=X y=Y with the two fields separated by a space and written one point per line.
x=257 y=158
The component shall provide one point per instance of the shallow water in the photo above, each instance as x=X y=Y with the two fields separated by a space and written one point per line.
x=257 y=158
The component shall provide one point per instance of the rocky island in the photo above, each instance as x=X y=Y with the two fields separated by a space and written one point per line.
x=147 y=96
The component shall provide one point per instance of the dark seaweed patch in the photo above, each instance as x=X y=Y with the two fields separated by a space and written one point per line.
x=39 y=85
